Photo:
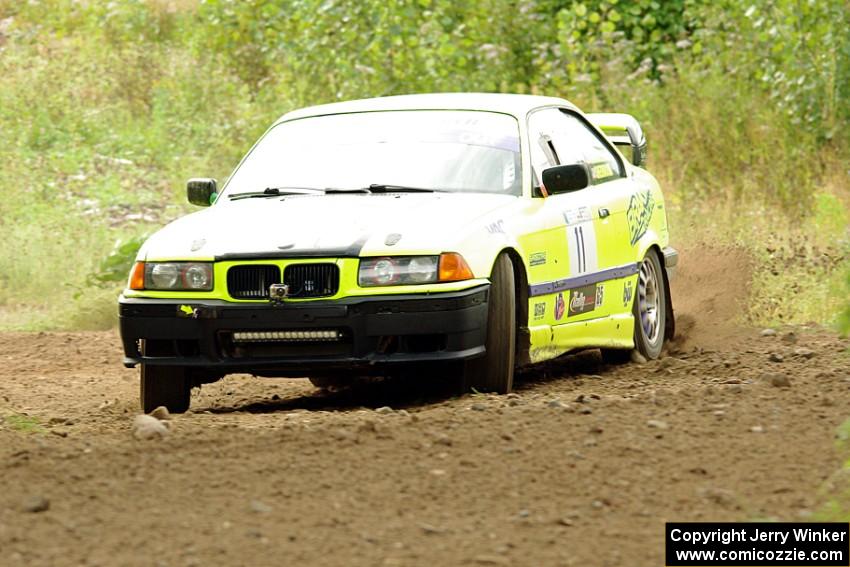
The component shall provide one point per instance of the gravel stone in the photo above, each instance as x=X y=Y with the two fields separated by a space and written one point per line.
x=657 y=424
x=148 y=427
x=36 y=504
x=161 y=413
x=430 y=529
x=804 y=352
x=260 y=507
x=443 y=439
x=637 y=357
x=384 y=410
x=768 y=332
x=491 y=560
x=775 y=357
x=776 y=379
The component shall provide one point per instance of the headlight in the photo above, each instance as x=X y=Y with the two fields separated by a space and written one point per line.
x=173 y=276
x=409 y=270
x=398 y=270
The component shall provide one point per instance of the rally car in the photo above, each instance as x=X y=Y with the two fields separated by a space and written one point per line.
x=466 y=234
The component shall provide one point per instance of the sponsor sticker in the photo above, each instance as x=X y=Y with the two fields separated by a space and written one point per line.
x=600 y=291
x=628 y=292
x=601 y=171
x=539 y=310
x=639 y=214
x=560 y=307
x=583 y=299
x=187 y=311
x=576 y=216
x=537 y=259
x=497 y=227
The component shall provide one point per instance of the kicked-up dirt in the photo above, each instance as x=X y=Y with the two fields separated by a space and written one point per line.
x=581 y=466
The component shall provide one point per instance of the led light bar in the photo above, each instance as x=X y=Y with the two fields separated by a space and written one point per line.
x=287 y=336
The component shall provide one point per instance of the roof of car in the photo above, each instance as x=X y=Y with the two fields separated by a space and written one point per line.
x=516 y=104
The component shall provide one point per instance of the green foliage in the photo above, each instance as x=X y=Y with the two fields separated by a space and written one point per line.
x=844 y=318
x=800 y=52
x=644 y=33
x=115 y=266
x=107 y=107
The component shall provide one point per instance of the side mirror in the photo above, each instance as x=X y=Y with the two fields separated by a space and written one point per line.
x=201 y=191
x=625 y=132
x=566 y=178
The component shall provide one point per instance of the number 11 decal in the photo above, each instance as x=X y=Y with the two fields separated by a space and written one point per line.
x=581 y=241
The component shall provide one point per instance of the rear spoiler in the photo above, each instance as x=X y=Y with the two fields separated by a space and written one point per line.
x=625 y=132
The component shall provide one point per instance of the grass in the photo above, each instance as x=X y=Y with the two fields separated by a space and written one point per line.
x=23 y=423
x=107 y=108
x=799 y=267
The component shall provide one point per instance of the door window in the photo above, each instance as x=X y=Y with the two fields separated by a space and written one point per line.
x=574 y=142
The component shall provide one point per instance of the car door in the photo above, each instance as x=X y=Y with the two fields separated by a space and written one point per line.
x=591 y=229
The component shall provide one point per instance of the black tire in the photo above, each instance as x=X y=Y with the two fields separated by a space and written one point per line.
x=330 y=382
x=615 y=356
x=494 y=372
x=167 y=386
x=650 y=295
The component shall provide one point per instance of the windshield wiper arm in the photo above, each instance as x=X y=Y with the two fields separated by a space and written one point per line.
x=276 y=192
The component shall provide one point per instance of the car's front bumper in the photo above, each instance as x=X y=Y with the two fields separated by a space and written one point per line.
x=373 y=331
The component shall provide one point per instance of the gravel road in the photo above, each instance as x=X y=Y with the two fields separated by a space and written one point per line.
x=581 y=466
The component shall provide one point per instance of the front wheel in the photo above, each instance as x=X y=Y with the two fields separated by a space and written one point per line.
x=331 y=382
x=650 y=307
x=167 y=386
x=494 y=372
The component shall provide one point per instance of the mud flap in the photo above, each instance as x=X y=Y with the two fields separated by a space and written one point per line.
x=669 y=318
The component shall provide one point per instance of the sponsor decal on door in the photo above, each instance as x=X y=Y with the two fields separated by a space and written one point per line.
x=584 y=299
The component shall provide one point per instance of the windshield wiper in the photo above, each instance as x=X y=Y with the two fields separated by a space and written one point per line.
x=354 y=190
x=276 y=192
x=373 y=188
x=389 y=188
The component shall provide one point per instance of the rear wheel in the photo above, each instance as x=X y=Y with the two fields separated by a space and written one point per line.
x=650 y=307
x=494 y=372
x=167 y=386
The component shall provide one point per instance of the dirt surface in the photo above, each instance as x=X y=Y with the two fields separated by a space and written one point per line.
x=581 y=466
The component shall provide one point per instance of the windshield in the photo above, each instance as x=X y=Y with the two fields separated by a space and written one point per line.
x=445 y=150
